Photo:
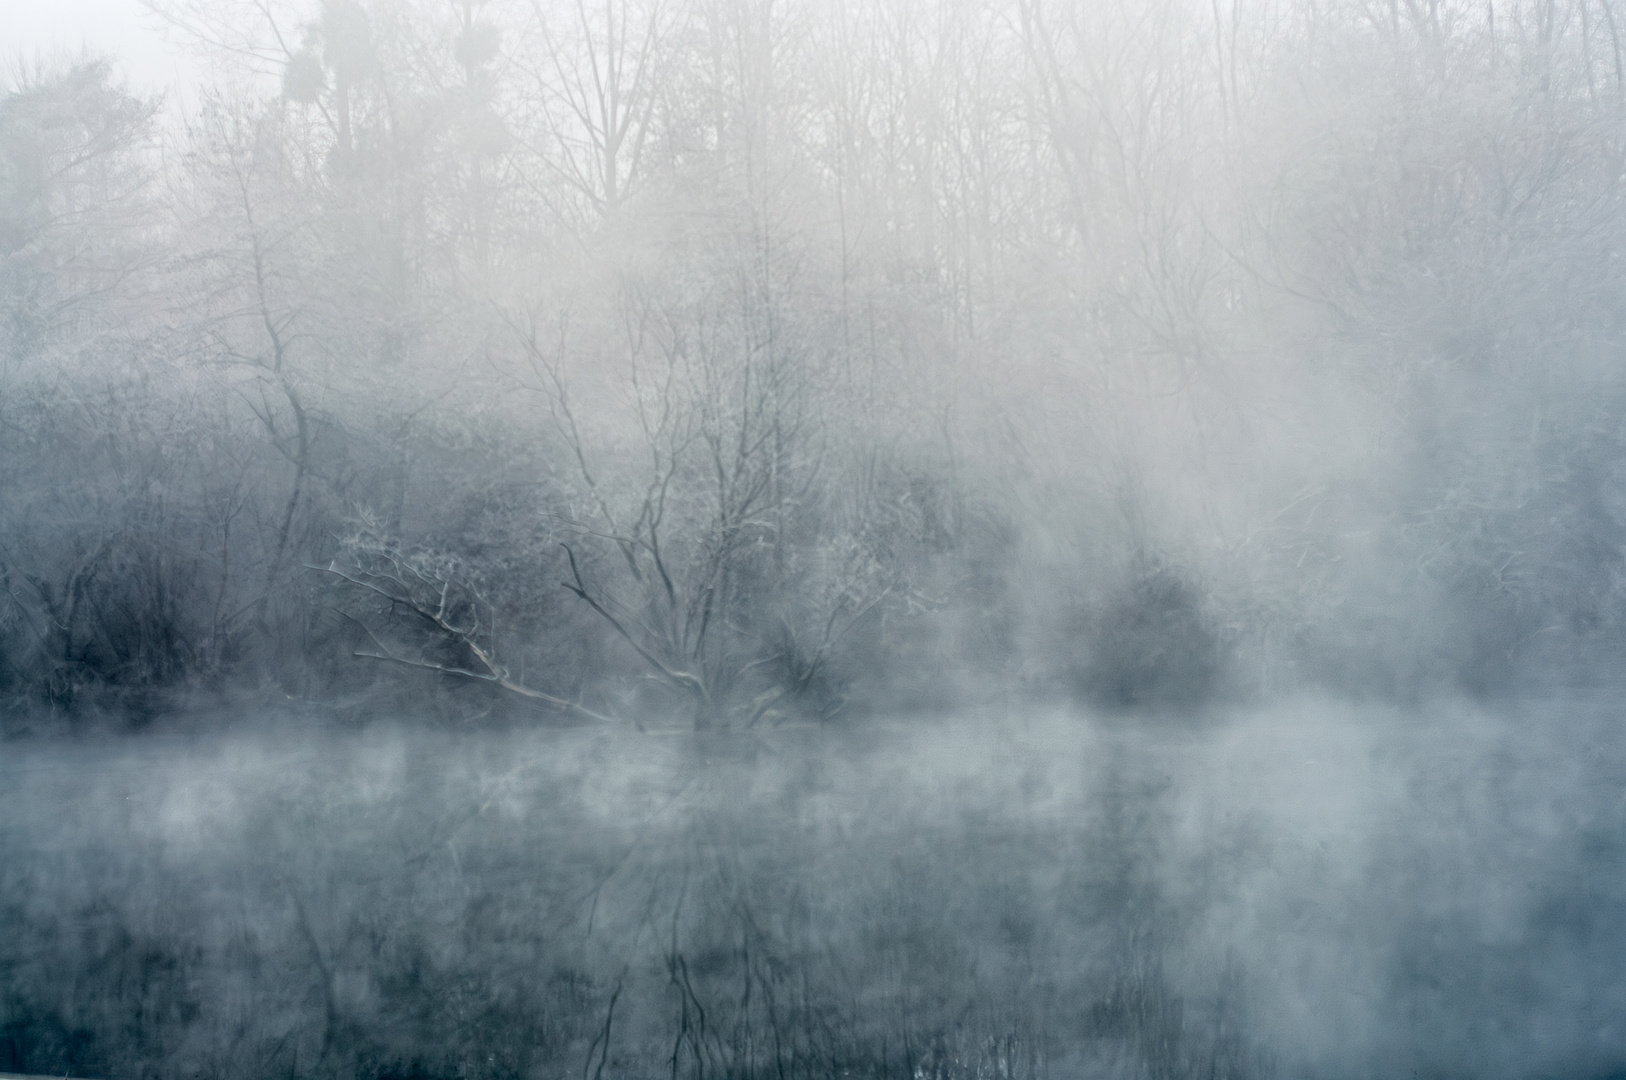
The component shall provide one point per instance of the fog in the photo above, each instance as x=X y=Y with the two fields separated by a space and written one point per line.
x=1314 y=891
x=744 y=538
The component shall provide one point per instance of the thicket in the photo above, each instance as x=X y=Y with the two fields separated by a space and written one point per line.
x=728 y=363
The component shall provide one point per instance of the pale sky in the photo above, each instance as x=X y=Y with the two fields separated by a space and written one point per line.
x=123 y=28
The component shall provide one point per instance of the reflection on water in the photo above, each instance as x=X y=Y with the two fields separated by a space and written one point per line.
x=1310 y=889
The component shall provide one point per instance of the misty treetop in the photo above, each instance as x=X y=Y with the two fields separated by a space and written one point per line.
x=731 y=362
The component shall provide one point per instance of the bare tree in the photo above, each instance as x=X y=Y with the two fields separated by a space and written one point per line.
x=597 y=70
x=727 y=438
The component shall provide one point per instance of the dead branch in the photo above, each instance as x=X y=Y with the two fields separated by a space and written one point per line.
x=493 y=671
x=579 y=586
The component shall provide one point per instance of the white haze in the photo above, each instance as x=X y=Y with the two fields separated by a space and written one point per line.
x=809 y=539
x=1313 y=889
x=147 y=51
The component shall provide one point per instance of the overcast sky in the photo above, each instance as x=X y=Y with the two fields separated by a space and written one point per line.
x=123 y=28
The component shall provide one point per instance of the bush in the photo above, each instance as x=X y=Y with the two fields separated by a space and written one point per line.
x=1152 y=644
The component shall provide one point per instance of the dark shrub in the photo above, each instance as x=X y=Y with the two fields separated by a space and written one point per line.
x=1152 y=644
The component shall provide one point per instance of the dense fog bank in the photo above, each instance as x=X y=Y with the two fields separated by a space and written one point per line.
x=766 y=361
x=1311 y=890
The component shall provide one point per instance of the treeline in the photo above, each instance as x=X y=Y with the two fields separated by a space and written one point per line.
x=742 y=361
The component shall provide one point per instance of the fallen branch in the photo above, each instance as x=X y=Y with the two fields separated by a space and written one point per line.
x=493 y=672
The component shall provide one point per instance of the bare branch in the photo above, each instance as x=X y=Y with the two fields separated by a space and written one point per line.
x=579 y=587
x=492 y=673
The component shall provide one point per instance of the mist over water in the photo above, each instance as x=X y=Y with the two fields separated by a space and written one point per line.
x=778 y=539
x=1311 y=889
